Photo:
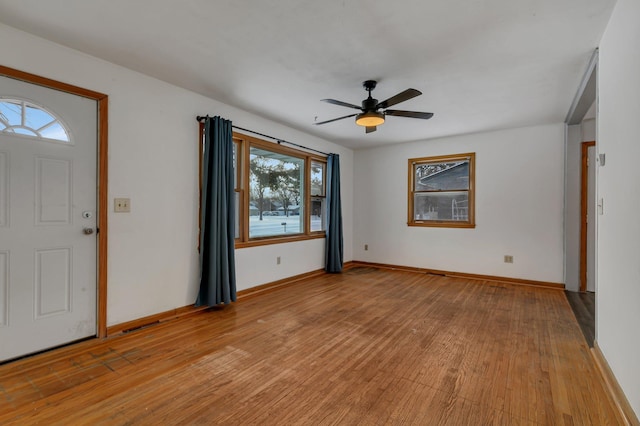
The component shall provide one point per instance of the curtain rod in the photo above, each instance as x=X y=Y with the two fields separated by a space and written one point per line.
x=200 y=118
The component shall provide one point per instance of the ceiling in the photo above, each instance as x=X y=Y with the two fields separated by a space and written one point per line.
x=481 y=64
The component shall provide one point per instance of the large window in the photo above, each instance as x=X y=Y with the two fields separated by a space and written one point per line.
x=280 y=193
x=441 y=191
x=276 y=193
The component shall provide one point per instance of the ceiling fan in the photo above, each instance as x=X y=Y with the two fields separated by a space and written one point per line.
x=374 y=112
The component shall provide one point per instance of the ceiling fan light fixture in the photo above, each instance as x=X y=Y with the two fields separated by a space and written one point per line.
x=370 y=119
x=372 y=113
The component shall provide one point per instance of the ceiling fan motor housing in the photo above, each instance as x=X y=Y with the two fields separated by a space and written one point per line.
x=369 y=104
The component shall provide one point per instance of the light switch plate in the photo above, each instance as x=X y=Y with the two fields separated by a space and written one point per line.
x=122 y=205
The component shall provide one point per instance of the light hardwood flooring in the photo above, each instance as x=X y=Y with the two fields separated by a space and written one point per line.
x=366 y=347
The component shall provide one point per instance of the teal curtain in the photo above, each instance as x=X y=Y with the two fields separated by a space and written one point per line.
x=217 y=216
x=334 y=249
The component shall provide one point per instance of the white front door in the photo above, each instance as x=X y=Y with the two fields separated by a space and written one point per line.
x=47 y=218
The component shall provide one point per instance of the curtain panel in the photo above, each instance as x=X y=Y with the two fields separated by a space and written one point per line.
x=217 y=216
x=334 y=248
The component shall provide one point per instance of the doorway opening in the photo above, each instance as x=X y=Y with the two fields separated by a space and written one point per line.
x=587 y=217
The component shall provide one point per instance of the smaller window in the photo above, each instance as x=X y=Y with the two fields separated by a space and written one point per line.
x=441 y=191
x=318 y=196
x=24 y=118
x=237 y=187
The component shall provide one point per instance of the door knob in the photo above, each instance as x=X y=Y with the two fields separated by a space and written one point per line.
x=87 y=231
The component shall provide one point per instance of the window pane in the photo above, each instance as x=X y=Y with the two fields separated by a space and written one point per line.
x=55 y=131
x=318 y=214
x=235 y=165
x=11 y=113
x=237 y=213
x=441 y=176
x=317 y=178
x=451 y=206
x=276 y=193
x=22 y=131
x=36 y=118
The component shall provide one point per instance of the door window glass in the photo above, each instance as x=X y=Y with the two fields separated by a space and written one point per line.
x=25 y=118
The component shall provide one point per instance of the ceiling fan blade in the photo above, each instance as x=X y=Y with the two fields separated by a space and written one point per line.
x=410 y=114
x=371 y=129
x=400 y=97
x=344 y=104
x=334 y=119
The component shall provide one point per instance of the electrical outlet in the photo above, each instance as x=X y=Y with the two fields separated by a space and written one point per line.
x=122 y=205
x=508 y=258
x=278 y=260
x=366 y=247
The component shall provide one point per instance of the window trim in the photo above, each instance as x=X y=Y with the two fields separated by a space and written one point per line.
x=244 y=143
x=470 y=223
x=311 y=197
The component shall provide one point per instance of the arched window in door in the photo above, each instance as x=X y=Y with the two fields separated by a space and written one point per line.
x=21 y=117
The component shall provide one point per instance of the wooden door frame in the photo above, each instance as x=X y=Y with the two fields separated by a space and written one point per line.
x=102 y=176
x=584 y=197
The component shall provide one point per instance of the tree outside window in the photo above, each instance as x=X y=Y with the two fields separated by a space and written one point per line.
x=280 y=192
x=276 y=185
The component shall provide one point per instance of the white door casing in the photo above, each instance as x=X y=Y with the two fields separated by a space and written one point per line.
x=47 y=200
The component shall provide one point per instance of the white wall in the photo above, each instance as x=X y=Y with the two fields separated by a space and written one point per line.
x=153 y=159
x=588 y=129
x=519 y=206
x=618 y=293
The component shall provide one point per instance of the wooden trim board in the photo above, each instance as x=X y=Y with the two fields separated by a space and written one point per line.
x=191 y=309
x=102 y=101
x=615 y=391
x=584 y=186
x=154 y=319
x=286 y=282
x=509 y=280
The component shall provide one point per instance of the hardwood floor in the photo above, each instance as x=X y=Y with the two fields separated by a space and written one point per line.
x=583 y=306
x=366 y=347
